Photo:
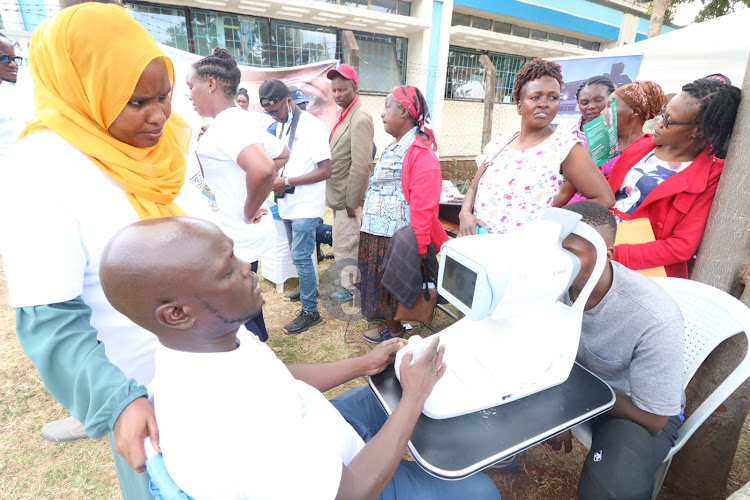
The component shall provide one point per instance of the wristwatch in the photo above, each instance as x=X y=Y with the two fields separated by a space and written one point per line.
x=287 y=186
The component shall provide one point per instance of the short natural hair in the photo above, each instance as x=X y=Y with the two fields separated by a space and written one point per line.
x=597 y=216
x=221 y=66
x=533 y=70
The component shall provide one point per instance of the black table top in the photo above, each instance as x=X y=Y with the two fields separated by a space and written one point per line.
x=457 y=447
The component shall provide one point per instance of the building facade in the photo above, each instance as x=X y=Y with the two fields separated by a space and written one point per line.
x=433 y=44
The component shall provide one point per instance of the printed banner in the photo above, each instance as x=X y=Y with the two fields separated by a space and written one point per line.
x=310 y=79
x=601 y=135
x=619 y=69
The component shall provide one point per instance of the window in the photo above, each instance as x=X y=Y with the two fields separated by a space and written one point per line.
x=507 y=67
x=539 y=35
x=597 y=46
x=167 y=26
x=554 y=37
x=500 y=27
x=481 y=23
x=585 y=44
x=460 y=19
x=362 y=4
x=521 y=31
x=573 y=42
x=382 y=62
x=401 y=7
x=246 y=38
x=296 y=44
x=465 y=79
x=389 y=6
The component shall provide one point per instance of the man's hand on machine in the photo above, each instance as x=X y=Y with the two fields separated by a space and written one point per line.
x=382 y=355
x=564 y=438
x=419 y=378
x=136 y=421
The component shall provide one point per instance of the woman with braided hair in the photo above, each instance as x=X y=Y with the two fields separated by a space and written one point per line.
x=522 y=173
x=404 y=189
x=238 y=159
x=671 y=177
x=592 y=97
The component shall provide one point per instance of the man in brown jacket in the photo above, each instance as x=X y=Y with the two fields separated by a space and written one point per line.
x=351 y=152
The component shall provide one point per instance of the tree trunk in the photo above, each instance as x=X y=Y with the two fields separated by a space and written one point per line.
x=701 y=468
x=658 y=9
x=490 y=77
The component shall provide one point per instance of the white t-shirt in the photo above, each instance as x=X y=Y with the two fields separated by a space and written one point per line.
x=16 y=108
x=59 y=212
x=233 y=130
x=231 y=423
x=310 y=146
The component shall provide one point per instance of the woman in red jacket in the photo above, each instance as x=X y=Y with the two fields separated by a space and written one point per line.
x=671 y=177
x=404 y=189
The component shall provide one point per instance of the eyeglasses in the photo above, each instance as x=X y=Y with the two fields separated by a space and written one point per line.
x=667 y=123
x=273 y=113
x=6 y=59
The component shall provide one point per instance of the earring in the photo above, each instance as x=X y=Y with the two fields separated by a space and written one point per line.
x=210 y=91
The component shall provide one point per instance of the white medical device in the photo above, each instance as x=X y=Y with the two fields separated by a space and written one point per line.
x=518 y=338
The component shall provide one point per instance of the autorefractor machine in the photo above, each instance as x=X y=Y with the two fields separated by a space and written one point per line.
x=518 y=337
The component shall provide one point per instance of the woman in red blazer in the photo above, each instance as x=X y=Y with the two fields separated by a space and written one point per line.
x=671 y=177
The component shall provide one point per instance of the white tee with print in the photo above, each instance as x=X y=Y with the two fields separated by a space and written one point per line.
x=310 y=146
x=232 y=131
x=642 y=178
x=60 y=211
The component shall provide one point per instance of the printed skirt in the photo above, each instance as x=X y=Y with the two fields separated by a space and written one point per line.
x=376 y=302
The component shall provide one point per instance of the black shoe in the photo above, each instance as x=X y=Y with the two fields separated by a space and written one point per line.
x=295 y=296
x=321 y=255
x=376 y=337
x=301 y=323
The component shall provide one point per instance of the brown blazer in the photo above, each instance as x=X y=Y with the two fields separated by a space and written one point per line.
x=351 y=155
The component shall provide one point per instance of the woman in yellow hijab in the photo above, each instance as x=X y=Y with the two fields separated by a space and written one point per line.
x=103 y=151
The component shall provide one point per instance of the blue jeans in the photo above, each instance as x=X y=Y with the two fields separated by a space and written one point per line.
x=257 y=324
x=362 y=410
x=301 y=236
x=324 y=233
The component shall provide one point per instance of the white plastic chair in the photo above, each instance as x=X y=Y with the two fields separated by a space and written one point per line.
x=711 y=316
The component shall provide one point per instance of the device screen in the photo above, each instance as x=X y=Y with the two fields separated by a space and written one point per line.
x=460 y=281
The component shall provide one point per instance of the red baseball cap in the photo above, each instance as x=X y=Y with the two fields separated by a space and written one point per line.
x=345 y=71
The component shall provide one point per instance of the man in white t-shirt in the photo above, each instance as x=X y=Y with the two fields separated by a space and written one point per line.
x=223 y=434
x=9 y=126
x=300 y=191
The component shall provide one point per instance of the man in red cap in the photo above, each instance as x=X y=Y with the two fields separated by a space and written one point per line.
x=351 y=152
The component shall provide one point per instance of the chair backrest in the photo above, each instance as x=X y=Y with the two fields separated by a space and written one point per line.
x=711 y=316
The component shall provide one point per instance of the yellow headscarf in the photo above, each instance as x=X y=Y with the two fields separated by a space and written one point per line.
x=85 y=63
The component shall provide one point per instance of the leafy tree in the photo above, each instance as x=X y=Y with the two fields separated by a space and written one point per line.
x=711 y=8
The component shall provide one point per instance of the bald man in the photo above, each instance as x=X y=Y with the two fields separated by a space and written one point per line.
x=223 y=434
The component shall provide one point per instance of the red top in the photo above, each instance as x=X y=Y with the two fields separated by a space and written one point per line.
x=422 y=183
x=677 y=208
x=341 y=114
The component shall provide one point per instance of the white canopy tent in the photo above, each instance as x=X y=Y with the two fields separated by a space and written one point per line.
x=720 y=45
